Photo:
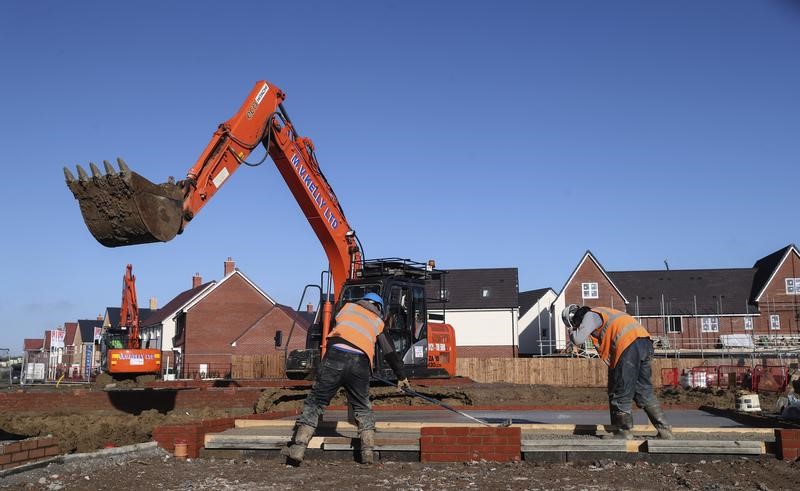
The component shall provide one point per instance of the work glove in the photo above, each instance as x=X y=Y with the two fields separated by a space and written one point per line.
x=403 y=385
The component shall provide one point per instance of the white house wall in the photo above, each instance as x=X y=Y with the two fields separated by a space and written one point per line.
x=536 y=318
x=560 y=328
x=483 y=327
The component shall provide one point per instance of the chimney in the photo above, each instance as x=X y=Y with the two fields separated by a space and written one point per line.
x=153 y=304
x=99 y=317
x=230 y=266
x=310 y=308
x=197 y=280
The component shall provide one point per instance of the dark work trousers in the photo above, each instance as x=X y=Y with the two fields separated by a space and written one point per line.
x=631 y=379
x=340 y=369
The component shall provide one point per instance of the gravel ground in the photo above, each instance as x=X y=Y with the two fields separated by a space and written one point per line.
x=155 y=469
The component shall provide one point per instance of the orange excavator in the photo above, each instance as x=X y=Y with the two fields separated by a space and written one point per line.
x=121 y=208
x=123 y=355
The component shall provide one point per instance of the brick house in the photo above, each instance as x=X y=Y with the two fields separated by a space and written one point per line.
x=483 y=308
x=158 y=328
x=232 y=317
x=698 y=309
x=536 y=334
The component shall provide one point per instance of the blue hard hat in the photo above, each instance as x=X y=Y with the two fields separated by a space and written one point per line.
x=374 y=297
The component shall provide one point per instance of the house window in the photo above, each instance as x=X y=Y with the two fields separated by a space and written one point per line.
x=748 y=323
x=709 y=324
x=774 y=322
x=674 y=325
x=589 y=290
x=793 y=286
x=486 y=292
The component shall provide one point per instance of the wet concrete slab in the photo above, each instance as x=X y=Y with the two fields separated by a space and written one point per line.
x=686 y=418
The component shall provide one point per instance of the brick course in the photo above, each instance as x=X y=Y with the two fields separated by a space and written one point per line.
x=27 y=451
x=788 y=443
x=463 y=444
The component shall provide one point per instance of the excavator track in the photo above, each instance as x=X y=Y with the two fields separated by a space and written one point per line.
x=123 y=208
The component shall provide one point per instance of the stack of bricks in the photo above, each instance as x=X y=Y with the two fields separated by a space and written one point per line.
x=21 y=452
x=788 y=443
x=465 y=444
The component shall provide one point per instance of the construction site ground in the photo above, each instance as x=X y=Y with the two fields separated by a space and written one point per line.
x=88 y=431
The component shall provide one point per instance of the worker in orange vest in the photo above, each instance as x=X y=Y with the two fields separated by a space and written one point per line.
x=347 y=363
x=625 y=346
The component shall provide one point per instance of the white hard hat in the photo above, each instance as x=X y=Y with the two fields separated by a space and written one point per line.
x=568 y=314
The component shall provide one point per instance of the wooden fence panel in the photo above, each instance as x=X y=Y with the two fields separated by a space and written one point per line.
x=258 y=366
x=566 y=372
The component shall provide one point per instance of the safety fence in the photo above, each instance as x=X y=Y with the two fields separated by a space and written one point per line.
x=592 y=372
x=762 y=378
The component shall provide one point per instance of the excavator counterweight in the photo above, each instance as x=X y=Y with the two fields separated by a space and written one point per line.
x=123 y=208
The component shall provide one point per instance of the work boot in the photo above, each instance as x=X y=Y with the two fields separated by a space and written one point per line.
x=296 y=449
x=367 y=446
x=656 y=417
x=623 y=426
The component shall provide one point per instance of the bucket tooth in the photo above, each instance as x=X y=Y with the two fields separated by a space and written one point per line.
x=68 y=176
x=82 y=173
x=95 y=171
x=109 y=169
x=123 y=167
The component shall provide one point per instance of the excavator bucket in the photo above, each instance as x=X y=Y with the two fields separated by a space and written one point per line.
x=123 y=208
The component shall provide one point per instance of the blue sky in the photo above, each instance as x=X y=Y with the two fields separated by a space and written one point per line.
x=504 y=134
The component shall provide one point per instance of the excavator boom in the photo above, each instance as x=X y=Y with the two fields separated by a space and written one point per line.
x=122 y=208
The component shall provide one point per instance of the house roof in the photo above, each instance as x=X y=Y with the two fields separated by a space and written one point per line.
x=115 y=312
x=465 y=288
x=766 y=267
x=172 y=306
x=69 y=337
x=528 y=299
x=33 y=344
x=87 y=329
x=687 y=292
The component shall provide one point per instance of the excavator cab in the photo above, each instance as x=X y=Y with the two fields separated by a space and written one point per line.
x=123 y=208
x=427 y=349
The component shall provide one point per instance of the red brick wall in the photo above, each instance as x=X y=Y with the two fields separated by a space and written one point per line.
x=588 y=272
x=774 y=300
x=14 y=454
x=466 y=443
x=221 y=317
x=502 y=351
x=260 y=339
x=788 y=443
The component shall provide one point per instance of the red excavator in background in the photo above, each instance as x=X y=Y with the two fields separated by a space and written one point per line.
x=121 y=351
x=123 y=208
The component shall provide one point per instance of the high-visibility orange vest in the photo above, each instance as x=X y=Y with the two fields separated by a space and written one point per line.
x=618 y=331
x=359 y=327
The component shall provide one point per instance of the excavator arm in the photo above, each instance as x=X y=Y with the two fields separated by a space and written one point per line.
x=123 y=208
x=129 y=311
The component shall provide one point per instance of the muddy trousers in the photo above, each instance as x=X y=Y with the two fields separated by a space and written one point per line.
x=338 y=369
x=631 y=381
